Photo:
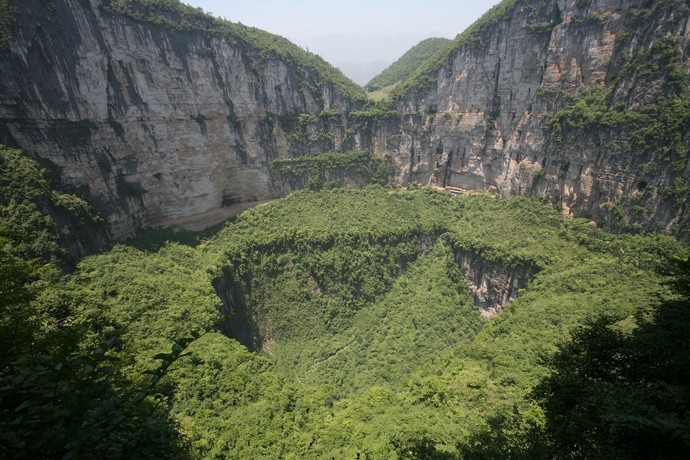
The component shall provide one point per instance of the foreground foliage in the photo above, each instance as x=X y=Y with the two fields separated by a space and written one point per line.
x=64 y=392
x=623 y=395
x=65 y=385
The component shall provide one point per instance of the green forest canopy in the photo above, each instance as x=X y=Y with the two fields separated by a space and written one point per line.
x=359 y=336
x=408 y=63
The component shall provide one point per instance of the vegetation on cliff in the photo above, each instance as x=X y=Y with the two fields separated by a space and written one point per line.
x=658 y=123
x=425 y=76
x=260 y=46
x=645 y=111
x=331 y=169
x=408 y=63
x=8 y=19
x=358 y=334
x=29 y=203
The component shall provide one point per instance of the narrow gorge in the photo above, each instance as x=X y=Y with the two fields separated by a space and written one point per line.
x=159 y=113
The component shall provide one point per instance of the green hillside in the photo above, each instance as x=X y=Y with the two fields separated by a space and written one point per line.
x=407 y=64
x=425 y=75
x=358 y=336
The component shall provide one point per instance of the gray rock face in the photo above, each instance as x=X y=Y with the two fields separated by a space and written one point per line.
x=485 y=122
x=493 y=285
x=159 y=124
x=162 y=124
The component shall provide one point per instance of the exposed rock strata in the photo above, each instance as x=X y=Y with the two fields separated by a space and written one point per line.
x=484 y=123
x=492 y=284
x=163 y=124
x=240 y=325
x=159 y=124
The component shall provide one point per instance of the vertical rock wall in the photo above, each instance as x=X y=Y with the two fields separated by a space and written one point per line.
x=161 y=123
x=486 y=122
x=157 y=123
x=492 y=284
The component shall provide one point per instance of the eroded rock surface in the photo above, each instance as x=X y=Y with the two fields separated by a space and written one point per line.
x=487 y=120
x=162 y=124
x=159 y=124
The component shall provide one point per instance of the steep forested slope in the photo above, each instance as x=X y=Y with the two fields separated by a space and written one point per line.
x=407 y=64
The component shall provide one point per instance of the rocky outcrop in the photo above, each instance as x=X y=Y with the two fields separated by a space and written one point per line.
x=158 y=119
x=512 y=109
x=165 y=114
x=493 y=285
x=238 y=322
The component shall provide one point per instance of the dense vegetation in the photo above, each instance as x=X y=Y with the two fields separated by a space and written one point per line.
x=64 y=386
x=407 y=63
x=331 y=170
x=475 y=35
x=8 y=19
x=262 y=46
x=625 y=394
x=30 y=204
x=358 y=337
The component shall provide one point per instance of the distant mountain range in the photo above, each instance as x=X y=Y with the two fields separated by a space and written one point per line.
x=362 y=72
x=361 y=57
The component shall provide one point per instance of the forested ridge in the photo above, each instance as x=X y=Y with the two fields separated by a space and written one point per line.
x=407 y=63
x=358 y=335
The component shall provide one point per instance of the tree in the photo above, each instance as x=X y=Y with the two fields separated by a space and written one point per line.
x=617 y=395
x=61 y=399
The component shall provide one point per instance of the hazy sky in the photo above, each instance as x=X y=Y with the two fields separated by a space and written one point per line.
x=305 y=21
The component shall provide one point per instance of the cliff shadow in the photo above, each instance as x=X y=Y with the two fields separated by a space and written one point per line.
x=492 y=284
x=238 y=323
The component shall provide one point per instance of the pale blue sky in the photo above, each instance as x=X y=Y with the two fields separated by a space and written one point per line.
x=302 y=21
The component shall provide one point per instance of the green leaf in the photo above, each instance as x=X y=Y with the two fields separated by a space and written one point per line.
x=25 y=405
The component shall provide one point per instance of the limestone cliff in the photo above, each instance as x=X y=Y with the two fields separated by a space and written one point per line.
x=583 y=101
x=160 y=111
x=493 y=285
